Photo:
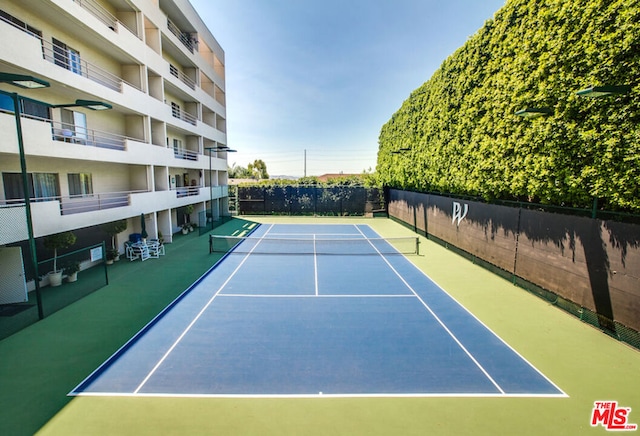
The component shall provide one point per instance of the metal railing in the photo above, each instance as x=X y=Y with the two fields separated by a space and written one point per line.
x=183 y=153
x=61 y=56
x=103 y=15
x=66 y=132
x=73 y=204
x=185 y=38
x=182 y=76
x=177 y=112
x=187 y=191
x=79 y=135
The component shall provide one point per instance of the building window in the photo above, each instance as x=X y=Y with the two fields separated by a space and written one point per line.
x=42 y=186
x=35 y=109
x=15 y=22
x=175 y=109
x=76 y=122
x=27 y=107
x=80 y=185
x=66 y=57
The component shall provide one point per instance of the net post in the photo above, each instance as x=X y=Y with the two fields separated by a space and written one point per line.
x=417 y=246
x=210 y=244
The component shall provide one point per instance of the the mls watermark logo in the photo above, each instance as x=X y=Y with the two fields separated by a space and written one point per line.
x=459 y=212
x=611 y=417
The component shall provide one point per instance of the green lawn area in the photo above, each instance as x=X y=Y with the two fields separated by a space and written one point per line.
x=42 y=363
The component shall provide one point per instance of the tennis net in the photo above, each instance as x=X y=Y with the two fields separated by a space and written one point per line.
x=345 y=246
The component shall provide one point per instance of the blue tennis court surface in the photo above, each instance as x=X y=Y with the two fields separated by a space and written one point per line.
x=348 y=319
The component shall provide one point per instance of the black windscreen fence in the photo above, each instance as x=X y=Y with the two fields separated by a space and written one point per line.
x=309 y=200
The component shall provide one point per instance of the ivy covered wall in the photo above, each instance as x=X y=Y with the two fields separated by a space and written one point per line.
x=458 y=132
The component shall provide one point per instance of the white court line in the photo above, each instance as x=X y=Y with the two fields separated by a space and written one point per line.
x=192 y=323
x=317 y=296
x=449 y=332
x=315 y=263
x=321 y=234
x=322 y=395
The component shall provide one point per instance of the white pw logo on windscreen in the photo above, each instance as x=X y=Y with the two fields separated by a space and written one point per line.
x=459 y=212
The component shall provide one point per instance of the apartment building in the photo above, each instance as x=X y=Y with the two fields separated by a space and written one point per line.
x=159 y=147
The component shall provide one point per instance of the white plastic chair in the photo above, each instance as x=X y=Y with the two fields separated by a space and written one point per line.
x=140 y=250
x=156 y=248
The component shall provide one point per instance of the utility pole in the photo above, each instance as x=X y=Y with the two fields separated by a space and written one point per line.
x=305 y=162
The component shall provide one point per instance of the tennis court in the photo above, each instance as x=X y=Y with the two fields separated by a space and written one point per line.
x=316 y=310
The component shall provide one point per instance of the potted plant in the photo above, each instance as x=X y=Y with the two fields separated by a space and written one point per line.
x=185 y=228
x=71 y=270
x=112 y=229
x=54 y=242
x=112 y=255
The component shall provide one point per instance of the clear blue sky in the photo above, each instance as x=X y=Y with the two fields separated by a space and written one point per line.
x=324 y=76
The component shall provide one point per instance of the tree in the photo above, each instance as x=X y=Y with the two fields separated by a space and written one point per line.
x=59 y=240
x=258 y=169
x=458 y=132
x=238 y=172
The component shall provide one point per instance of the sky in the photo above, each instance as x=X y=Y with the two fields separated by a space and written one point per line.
x=321 y=78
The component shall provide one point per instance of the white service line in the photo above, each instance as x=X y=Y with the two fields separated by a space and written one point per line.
x=192 y=323
x=449 y=332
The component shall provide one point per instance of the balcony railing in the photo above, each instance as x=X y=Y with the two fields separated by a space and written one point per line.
x=93 y=202
x=67 y=60
x=185 y=38
x=103 y=15
x=182 y=115
x=187 y=191
x=73 y=204
x=182 y=77
x=79 y=135
x=70 y=61
x=183 y=153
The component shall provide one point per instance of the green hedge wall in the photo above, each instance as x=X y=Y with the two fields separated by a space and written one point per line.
x=458 y=132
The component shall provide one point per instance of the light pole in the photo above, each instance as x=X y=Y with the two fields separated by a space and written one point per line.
x=30 y=82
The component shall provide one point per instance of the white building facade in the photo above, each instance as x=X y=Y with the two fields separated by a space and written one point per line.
x=161 y=146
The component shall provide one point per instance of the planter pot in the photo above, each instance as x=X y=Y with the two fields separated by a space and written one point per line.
x=109 y=261
x=55 y=278
x=117 y=258
x=72 y=277
x=185 y=231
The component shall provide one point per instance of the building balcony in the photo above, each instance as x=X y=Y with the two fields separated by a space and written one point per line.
x=94 y=138
x=28 y=50
x=68 y=60
x=126 y=21
x=54 y=215
x=185 y=79
x=187 y=39
x=49 y=138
